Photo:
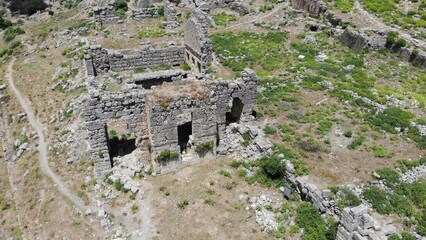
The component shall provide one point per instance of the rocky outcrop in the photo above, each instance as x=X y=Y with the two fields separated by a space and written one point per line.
x=315 y=8
x=360 y=40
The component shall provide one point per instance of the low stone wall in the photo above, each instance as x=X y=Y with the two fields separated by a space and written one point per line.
x=315 y=8
x=100 y=60
x=148 y=12
x=104 y=14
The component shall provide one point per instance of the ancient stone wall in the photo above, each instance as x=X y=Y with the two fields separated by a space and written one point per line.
x=315 y=8
x=149 y=79
x=104 y=14
x=198 y=45
x=148 y=12
x=171 y=14
x=245 y=89
x=100 y=60
x=127 y=107
x=359 y=40
x=356 y=223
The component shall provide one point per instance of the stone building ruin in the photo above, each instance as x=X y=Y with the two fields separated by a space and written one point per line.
x=172 y=116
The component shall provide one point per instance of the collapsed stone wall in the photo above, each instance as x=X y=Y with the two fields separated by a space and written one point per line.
x=127 y=107
x=170 y=14
x=197 y=42
x=357 y=224
x=377 y=40
x=315 y=8
x=100 y=60
x=148 y=12
x=104 y=14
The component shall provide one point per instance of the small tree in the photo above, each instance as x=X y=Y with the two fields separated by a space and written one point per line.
x=27 y=7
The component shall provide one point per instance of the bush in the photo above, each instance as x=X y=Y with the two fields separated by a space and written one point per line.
x=15 y=44
x=269 y=130
x=204 y=147
x=391 y=118
x=324 y=126
x=166 y=156
x=378 y=198
x=358 y=141
x=4 y=23
x=10 y=33
x=27 y=7
x=183 y=204
x=120 y=5
x=309 y=145
x=273 y=167
x=309 y=218
x=222 y=19
x=389 y=176
x=348 y=198
x=348 y=134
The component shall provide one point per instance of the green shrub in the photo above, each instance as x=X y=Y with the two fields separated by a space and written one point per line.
x=389 y=176
x=236 y=163
x=391 y=118
x=4 y=23
x=225 y=173
x=309 y=218
x=166 y=156
x=324 y=126
x=309 y=145
x=273 y=167
x=134 y=208
x=222 y=19
x=204 y=147
x=15 y=44
x=183 y=204
x=348 y=199
x=10 y=33
x=269 y=130
x=185 y=67
x=348 y=134
x=358 y=141
x=379 y=199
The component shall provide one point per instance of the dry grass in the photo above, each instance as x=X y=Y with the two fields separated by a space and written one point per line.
x=213 y=212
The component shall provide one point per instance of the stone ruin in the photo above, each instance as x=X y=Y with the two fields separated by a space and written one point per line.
x=198 y=46
x=104 y=12
x=174 y=113
x=315 y=8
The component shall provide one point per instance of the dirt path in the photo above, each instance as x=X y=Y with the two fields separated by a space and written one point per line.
x=377 y=23
x=42 y=144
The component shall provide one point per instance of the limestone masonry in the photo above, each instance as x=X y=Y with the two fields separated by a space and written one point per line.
x=169 y=115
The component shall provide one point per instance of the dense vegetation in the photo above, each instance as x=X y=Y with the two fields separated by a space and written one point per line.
x=405 y=199
x=27 y=7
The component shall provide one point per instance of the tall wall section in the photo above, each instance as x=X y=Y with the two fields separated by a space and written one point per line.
x=127 y=107
x=99 y=59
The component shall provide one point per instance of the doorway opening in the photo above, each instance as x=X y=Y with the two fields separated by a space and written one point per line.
x=236 y=111
x=184 y=131
x=120 y=141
